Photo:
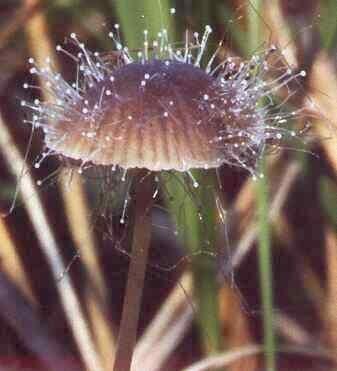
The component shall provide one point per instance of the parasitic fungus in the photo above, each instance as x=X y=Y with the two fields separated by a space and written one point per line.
x=161 y=110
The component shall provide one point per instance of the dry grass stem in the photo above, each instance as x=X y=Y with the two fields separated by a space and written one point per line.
x=169 y=342
x=236 y=329
x=278 y=201
x=44 y=234
x=39 y=43
x=77 y=213
x=224 y=360
x=292 y=331
x=244 y=204
x=20 y=17
x=29 y=328
x=323 y=88
x=309 y=278
x=11 y=263
x=41 y=48
x=171 y=322
x=280 y=31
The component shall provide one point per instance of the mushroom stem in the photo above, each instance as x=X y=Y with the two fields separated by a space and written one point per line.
x=137 y=269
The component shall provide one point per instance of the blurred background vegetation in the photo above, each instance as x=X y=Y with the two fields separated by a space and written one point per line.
x=64 y=256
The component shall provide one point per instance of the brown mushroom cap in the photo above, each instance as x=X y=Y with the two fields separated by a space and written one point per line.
x=158 y=115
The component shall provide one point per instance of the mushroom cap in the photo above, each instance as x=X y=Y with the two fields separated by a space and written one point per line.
x=157 y=114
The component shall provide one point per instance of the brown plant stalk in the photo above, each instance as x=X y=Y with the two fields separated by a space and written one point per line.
x=135 y=282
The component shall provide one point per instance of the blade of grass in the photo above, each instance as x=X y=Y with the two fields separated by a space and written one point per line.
x=137 y=16
x=28 y=8
x=236 y=325
x=331 y=299
x=76 y=207
x=265 y=271
x=11 y=263
x=262 y=193
x=310 y=280
x=25 y=321
x=281 y=33
x=167 y=328
x=291 y=330
x=161 y=322
x=328 y=196
x=44 y=234
x=322 y=102
x=194 y=215
x=170 y=341
x=328 y=24
x=41 y=47
x=225 y=359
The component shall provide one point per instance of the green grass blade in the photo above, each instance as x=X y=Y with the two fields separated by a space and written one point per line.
x=199 y=237
x=328 y=195
x=265 y=270
x=328 y=24
x=136 y=16
x=264 y=241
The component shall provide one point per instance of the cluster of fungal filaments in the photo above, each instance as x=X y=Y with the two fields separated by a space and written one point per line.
x=162 y=108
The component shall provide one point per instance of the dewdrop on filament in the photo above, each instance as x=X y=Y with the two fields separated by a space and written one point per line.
x=160 y=109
